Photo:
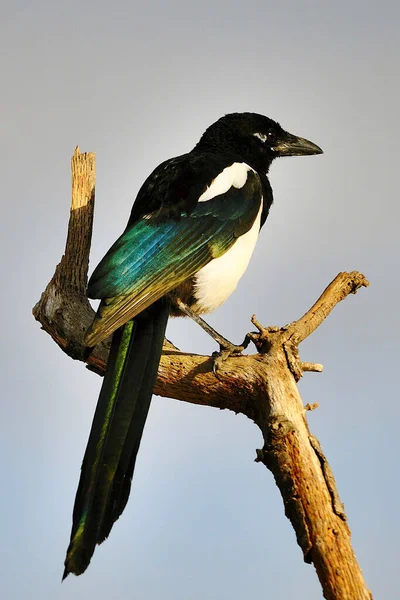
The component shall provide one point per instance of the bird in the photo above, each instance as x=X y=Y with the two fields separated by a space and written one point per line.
x=189 y=238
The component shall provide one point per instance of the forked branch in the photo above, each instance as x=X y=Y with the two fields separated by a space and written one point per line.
x=261 y=386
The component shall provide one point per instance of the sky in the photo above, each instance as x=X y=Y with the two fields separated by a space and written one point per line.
x=137 y=83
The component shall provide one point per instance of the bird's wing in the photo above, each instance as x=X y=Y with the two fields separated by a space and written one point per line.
x=155 y=255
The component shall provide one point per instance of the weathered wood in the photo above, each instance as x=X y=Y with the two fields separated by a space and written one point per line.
x=261 y=386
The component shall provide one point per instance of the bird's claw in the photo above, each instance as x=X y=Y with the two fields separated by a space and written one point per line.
x=225 y=352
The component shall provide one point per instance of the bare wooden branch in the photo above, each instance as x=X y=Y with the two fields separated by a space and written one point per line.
x=343 y=285
x=261 y=386
x=63 y=307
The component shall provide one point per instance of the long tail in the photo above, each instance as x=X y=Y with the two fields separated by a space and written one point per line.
x=117 y=428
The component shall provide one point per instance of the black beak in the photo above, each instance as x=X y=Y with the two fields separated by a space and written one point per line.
x=292 y=145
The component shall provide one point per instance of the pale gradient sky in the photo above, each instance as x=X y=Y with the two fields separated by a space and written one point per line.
x=137 y=83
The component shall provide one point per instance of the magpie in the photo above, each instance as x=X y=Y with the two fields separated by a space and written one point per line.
x=190 y=235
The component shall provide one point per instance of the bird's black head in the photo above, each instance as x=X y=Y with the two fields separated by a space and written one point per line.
x=254 y=138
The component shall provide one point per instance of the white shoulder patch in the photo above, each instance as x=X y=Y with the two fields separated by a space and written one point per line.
x=233 y=176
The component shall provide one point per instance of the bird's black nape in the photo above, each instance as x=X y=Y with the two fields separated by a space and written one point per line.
x=254 y=137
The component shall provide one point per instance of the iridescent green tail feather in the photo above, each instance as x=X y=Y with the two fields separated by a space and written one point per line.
x=116 y=432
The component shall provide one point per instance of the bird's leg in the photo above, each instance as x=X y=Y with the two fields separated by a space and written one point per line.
x=226 y=347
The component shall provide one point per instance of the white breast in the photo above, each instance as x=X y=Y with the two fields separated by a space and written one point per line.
x=215 y=282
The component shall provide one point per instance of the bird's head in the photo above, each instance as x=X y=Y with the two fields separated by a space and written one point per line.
x=256 y=139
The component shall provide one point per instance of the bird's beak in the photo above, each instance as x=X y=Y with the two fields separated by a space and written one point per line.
x=292 y=145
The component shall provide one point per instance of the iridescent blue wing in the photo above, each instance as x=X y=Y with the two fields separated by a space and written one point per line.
x=154 y=255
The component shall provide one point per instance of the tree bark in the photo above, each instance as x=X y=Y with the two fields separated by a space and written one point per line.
x=261 y=386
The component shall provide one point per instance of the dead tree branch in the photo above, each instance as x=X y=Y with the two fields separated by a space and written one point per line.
x=262 y=387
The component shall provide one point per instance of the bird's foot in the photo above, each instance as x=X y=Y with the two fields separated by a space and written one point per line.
x=226 y=350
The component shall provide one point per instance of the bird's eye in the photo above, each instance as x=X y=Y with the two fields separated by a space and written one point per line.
x=271 y=135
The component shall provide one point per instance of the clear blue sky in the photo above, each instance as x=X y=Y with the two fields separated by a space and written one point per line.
x=137 y=83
